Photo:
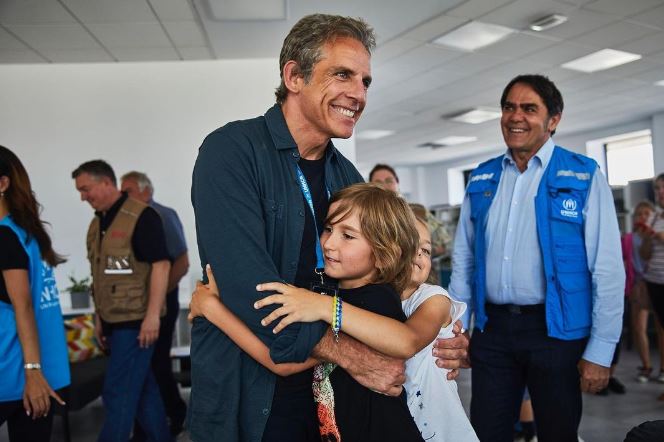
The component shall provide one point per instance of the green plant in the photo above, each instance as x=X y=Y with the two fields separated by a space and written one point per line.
x=78 y=285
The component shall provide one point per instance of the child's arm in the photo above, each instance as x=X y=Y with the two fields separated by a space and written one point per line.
x=205 y=302
x=387 y=335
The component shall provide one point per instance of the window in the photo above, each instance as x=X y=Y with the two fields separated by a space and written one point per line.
x=630 y=158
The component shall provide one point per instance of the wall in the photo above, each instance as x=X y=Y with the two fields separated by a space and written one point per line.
x=146 y=116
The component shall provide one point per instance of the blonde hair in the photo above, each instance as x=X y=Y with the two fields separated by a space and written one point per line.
x=387 y=223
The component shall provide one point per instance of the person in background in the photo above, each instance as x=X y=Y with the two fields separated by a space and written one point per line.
x=652 y=251
x=129 y=262
x=537 y=256
x=387 y=177
x=33 y=349
x=138 y=186
x=637 y=292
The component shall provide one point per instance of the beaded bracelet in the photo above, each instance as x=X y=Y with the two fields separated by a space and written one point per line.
x=336 y=317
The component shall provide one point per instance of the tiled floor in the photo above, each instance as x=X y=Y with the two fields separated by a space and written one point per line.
x=605 y=419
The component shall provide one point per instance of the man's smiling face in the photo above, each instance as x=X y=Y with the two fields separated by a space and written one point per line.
x=525 y=122
x=334 y=98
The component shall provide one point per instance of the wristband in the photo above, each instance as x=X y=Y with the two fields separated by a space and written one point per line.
x=32 y=366
x=336 y=317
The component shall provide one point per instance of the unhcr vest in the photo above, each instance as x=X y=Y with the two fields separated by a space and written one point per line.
x=50 y=327
x=119 y=280
x=561 y=197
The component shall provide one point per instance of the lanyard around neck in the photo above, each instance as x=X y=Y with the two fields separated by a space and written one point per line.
x=306 y=192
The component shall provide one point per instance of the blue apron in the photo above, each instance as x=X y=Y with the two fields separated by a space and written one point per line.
x=50 y=326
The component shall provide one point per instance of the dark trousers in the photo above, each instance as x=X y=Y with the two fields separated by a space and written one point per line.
x=511 y=353
x=162 y=368
x=21 y=427
x=656 y=293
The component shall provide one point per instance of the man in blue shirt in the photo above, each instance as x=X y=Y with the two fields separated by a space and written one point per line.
x=256 y=222
x=537 y=257
x=138 y=186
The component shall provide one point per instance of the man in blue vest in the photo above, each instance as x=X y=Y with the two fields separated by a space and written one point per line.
x=537 y=257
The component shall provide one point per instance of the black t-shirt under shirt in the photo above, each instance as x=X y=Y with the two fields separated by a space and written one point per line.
x=293 y=395
x=12 y=256
x=362 y=414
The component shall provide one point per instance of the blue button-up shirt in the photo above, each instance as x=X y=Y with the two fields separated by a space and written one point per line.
x=175 y=242
x=515 y=273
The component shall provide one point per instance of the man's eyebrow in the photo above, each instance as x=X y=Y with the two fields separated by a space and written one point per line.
x=522 y=105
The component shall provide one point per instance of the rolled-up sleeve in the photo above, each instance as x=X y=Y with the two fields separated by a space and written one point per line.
x=603 y=249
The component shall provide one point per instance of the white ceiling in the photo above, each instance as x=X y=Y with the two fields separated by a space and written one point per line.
x=415 y=82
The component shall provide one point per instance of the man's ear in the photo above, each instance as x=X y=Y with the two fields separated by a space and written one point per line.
x=292 y=76
x=553 y=122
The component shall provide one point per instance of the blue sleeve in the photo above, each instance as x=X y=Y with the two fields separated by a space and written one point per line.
x=603 y=248
x=231 y=237
x=174 y=235
x=463 y=262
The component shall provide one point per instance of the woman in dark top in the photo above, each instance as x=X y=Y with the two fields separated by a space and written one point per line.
x=32 y=342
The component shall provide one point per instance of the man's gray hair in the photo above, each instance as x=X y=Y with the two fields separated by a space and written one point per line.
x=141 y=179
x=304 y=42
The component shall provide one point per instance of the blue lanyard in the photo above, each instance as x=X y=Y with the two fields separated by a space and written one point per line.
x=304 y=187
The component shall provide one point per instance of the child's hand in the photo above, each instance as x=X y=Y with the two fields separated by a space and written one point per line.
x=203 y=296
x=297 y=305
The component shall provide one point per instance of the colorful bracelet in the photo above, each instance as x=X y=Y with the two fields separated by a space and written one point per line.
x=336 y=317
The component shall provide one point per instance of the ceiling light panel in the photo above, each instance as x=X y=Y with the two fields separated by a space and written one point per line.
x=659 y=83
x=453 y=140
x=373 y=134
x=474 y=35
x=601 y=60
x=242 y=10
x=475 y=116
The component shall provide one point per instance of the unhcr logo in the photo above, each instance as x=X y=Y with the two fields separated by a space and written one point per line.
x=569 y=208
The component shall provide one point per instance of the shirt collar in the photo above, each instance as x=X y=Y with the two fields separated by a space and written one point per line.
x=281 y=136
x=543 y=155
x=110 y=213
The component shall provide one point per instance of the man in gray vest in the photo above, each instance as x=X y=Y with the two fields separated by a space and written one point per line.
x=129 y=261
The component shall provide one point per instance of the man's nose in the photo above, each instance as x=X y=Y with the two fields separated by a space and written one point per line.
x=358 y=91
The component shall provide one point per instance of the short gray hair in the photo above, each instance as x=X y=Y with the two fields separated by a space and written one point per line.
x=141 y=179
x=304 y=42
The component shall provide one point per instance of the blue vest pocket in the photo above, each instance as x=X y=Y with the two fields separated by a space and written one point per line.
x=577 y=308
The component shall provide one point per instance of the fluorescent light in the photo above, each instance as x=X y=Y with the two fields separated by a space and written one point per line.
x=475 y=116
x=453 y=140
x=241 y=10
x=373 y=134
x=659 y=83
x=600 y=60
x=548 y=22
x=474 y=35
